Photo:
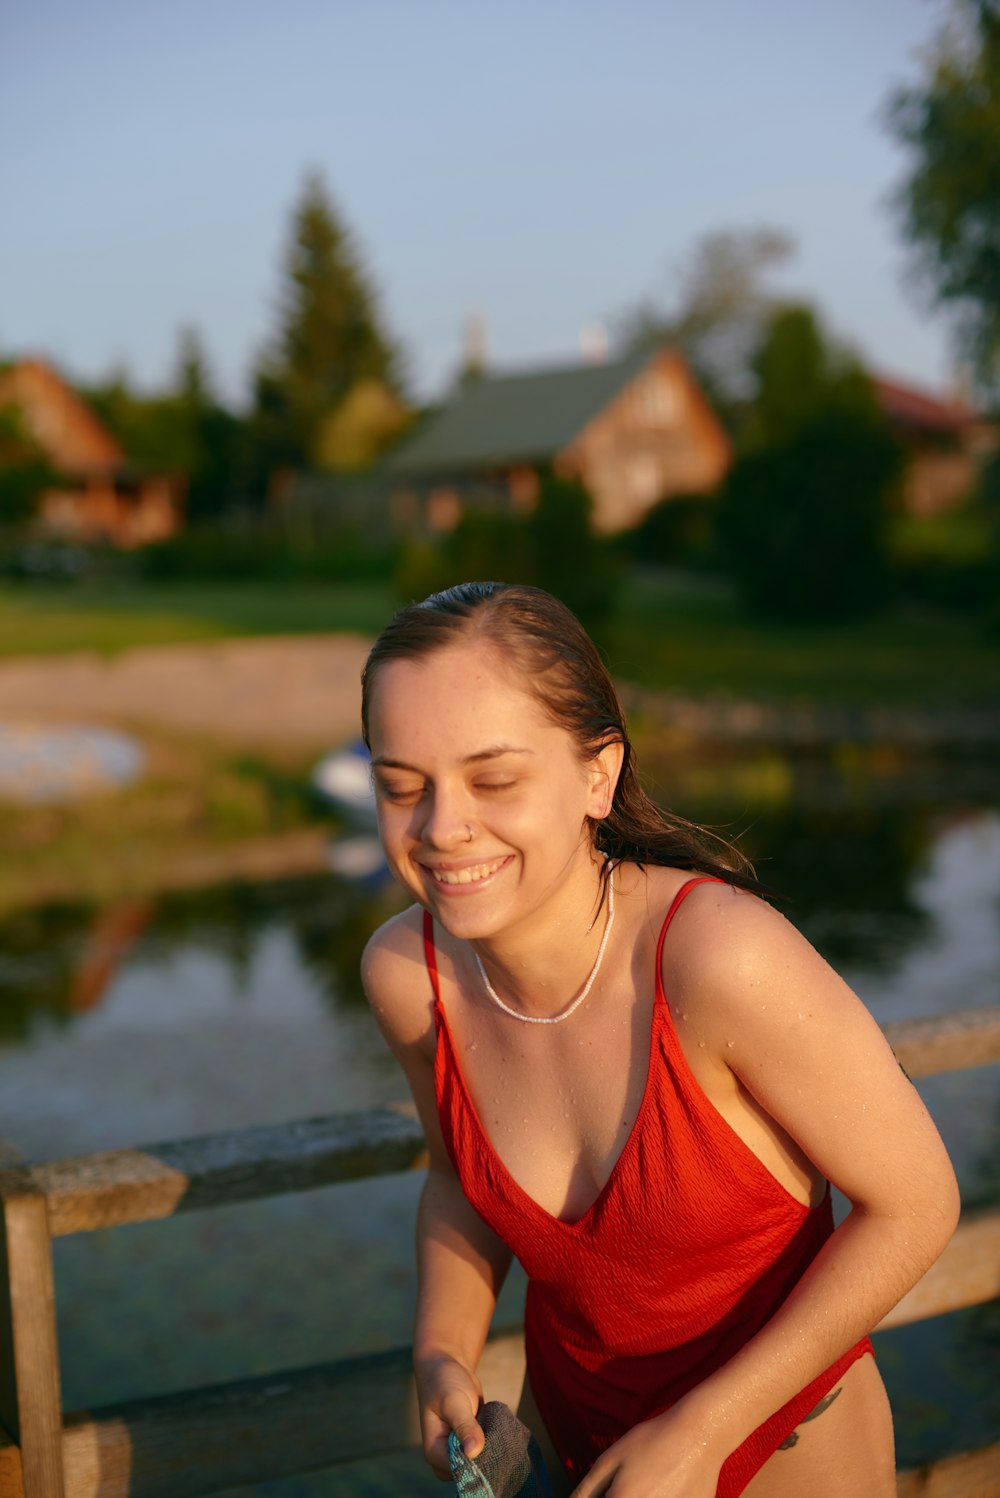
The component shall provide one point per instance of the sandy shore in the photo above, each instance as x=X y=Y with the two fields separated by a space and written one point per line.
x=300 y=690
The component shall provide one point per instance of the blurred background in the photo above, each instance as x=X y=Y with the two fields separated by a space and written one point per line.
x=692 y=318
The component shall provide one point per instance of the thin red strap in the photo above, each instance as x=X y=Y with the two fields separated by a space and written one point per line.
x=675 y=904
x=430 y=955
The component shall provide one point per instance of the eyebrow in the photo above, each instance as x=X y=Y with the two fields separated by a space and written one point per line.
x=385 y=762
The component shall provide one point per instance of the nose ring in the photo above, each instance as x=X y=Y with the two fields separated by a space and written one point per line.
x=470 y=832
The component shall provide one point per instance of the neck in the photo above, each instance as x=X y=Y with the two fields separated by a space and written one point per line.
x=542 y=966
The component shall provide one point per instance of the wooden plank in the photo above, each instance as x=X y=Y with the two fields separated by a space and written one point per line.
x=946 y=1042
x=30 y=1391
x=181 y=1446
x=974 y=1474
x=119 y=1186
x=966 y=1274
x=206 y=1440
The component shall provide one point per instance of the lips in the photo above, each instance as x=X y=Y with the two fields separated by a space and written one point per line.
x=473 y=874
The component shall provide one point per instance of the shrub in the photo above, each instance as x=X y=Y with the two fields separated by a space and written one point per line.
x=553 y=548
x=803 y=522
x=678 y=532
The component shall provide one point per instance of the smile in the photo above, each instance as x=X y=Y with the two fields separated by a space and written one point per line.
x=474 y=874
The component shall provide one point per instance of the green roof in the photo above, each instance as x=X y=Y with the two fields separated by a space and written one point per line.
x=523 y=418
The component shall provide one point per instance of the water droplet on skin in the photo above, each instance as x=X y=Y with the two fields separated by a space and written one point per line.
x=524 y=1120
x=471 y=1046
x=730 y=1044
x=701 y=1045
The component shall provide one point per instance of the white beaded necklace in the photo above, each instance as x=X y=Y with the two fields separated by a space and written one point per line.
x=556 y=1019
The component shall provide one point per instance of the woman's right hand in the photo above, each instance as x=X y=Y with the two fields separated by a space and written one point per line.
x=450 y=1397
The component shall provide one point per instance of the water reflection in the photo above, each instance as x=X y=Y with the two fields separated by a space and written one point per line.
x=59 y=960
x=849 y=878
x=191 y=997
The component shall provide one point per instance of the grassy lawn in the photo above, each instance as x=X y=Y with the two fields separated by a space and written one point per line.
x=670 y=632
x=677 y=636
x=49 y=620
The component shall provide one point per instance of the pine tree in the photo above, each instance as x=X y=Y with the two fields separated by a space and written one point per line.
x=330 y=337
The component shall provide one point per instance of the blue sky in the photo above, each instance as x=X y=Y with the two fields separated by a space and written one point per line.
x=547 y=164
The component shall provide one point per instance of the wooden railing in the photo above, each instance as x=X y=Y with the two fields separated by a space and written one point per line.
x=205 y=1440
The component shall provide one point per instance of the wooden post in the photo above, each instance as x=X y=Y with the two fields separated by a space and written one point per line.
x=30 y=1395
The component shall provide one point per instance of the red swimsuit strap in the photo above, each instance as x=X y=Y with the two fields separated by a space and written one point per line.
x=430 y=956
x=675 y=905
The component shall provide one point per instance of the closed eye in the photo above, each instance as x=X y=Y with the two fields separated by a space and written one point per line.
x=399 y=794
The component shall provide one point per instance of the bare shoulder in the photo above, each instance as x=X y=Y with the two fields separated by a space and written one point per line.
x=756 y=998
x=396 y=981
x=732 y=960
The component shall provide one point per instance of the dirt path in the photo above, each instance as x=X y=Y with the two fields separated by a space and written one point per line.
x=301 y=690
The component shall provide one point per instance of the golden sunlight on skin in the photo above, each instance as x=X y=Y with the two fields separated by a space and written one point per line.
x=482 y=804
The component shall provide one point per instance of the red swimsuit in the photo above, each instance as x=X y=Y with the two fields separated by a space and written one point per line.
x=687 y=1251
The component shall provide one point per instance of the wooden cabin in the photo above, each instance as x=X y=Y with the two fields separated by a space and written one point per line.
x=634 y=431
x=946 y=443
x=99 y=497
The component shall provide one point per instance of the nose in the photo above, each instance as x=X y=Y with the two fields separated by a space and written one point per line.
x=447 y=819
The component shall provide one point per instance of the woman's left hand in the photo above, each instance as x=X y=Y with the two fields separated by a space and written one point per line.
x=660 y=1458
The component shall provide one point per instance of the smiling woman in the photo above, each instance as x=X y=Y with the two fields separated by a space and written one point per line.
x=695 y=1325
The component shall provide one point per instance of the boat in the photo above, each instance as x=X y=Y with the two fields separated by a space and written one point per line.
x=343 y=780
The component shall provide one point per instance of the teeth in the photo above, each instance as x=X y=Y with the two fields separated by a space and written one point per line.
x=466 y=876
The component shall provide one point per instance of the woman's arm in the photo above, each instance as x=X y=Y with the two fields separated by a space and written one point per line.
x=461 y=1268
x=766 y=1005
x=461 y=1263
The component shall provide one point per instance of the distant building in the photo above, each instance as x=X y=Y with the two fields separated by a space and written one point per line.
x=946 y=443
x=99 y=496
x=633 y=431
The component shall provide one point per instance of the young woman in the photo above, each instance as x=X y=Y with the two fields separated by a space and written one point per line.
x=636 y=1076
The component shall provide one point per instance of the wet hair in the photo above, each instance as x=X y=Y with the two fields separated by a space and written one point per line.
x=561 y=667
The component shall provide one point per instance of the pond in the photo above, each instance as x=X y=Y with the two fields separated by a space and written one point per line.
x=241 y=1005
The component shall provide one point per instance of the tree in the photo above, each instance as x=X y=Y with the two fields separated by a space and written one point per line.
x=211 y=435
x=25 y=472
x=803 y=514
x=798 y=372
x=718 y=312
x=330 y=337
x=185 y=429
x=950 y=202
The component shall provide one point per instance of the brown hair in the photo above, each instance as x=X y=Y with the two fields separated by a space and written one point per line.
x=561 y=667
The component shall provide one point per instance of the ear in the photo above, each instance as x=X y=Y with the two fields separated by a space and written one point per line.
x=604 y=770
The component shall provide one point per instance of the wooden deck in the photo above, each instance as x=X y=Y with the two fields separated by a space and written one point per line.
x=203 y=1441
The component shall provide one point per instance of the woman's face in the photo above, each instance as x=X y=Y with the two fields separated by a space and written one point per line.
x=482 y=800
